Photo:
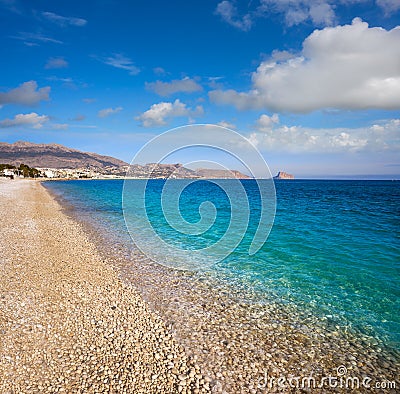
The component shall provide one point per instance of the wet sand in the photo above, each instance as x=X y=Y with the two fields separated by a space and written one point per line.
x=85 y=315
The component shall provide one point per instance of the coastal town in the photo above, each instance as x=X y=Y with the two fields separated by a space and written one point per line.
x=136 y=171
x=24 y=171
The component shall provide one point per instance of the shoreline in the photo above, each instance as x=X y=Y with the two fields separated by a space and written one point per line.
x=233 y=343
x=237 y=342
x=67 y=323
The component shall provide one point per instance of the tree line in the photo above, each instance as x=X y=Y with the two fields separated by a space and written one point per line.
x=22 y=169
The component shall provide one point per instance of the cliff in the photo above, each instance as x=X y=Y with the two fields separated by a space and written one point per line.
x=283 y=175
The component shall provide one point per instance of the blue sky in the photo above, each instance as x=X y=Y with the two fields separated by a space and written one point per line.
x=314 y=84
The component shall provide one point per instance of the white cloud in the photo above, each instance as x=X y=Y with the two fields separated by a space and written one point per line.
x=122 y=62
x=10 y=5
x=322 y=14
x=64 y=20
x=83 y=126
x=60 y=126
x=389 y=6
x=381 y=137
x=28 y=120
x=56 y=62
x=159 y=71
x=226 y=124
x=241 y=100
x=185 y=85
x=25 y=94
x=215 y=82
x=229 y=13
x=109 y=111
x=345 y=67
x=158 y=114
x=79 y=118
x=33 y=39
x=266 y=123
x=89 y=100
x=294 y=12
x=68 y=82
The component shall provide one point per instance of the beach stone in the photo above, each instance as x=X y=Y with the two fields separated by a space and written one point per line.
x=84 y=330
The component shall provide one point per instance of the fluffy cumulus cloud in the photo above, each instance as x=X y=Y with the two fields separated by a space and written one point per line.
x=266 y=123
x=185 y=85
x=294 y=12
x=64 y=20
x=109 y=111
x=380 y=137
x=25 y=94
x=25 y=120
x=158 y=113
x=122 y=62
x=56 y=62
x=344 y=67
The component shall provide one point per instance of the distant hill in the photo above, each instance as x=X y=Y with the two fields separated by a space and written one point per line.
x=155 y=170
x=220 y=174
x=283 y=175
x=58 y=157
x=53 y=156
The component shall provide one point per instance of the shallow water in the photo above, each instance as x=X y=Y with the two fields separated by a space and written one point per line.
x=333 y=251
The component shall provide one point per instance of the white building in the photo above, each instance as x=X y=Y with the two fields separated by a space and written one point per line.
x=8 y=172
x=49 y=174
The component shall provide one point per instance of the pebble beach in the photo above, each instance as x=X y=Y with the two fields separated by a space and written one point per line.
x=67 y=323
x=77 y=317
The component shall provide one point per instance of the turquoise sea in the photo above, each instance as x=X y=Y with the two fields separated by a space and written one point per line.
x=333 y=250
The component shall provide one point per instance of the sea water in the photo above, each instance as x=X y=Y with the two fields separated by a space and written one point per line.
x=333 y=250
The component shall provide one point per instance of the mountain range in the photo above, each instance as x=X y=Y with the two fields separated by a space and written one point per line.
x=57 y=156
x=53 y=156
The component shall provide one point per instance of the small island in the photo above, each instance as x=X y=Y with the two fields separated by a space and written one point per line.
x=283 y=175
